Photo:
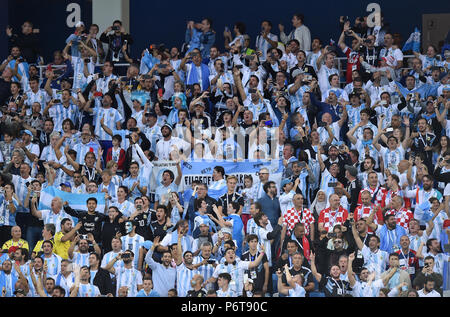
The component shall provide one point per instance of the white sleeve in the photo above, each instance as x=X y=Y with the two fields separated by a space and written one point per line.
x=44 y=214
x=365 y=252
x=243 y=265
x=166 y=240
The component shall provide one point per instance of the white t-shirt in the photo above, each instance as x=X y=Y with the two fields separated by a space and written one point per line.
x=433 y=293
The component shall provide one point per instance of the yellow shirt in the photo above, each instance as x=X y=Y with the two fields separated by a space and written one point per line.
x=61 y=248
x=10 y=243
x=38 y=247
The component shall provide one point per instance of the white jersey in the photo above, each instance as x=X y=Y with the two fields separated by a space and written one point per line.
x=133 y=244
x=59 y=113
x=111 y=115
x=375 y=261
x=237 y=274
x=130 y=278
x=184 y=277
x=88 y=290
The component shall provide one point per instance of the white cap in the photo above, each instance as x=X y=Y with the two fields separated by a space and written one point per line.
x=79 y=23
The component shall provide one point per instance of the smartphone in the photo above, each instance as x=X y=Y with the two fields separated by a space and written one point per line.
x=389 y=129
x=332 y=184
x=245 y=278
x=160 y=92
x=239 y=66
x=252 y=91
x=84 y=237
x=322 y=124
x=332 y=235
x=227 y=29
x=56 y=100
x=210 y=261
x=383 y=102
x=302 y=164
x=126 y=256
x=124 y=79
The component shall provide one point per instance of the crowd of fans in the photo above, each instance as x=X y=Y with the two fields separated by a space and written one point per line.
x=361 y=210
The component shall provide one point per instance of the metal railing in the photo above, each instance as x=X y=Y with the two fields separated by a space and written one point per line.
x=42 y=68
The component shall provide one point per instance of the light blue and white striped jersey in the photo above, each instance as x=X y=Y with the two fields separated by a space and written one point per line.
x=133 y=244
x=262 y=238
x=81 y=150
x=21 y=190
x=33 y=148
x=375 y=261
x=48 y=154
x=88 y=290
x=184 y=277
x=108 y=257
x=129 y=181
x=65 y=282
x=228 y=293
x=6 y=217
x=53 y=264
x=162 y=192
x=206 y=270
x=82 y=259
x=360 y=146
x=311 y=59
x=125 y=141
x=323 y=133
x=126 y=208
x=263 y=45
x=361 y=289
x=171 y=238
x=40 y=96
x=326 y=179
x=130 y=278
x=354 y=116
x=48 y=216
x=438 y=225
x=359 y=132
x=60 y=112
x=237 y=274
x=117 y=180
x=391 y=159
x=439 y=261
x=257 y=109
x=102 y=83
x=111 y=188
x=153 y=134
x=79 y=80
x=111 y=115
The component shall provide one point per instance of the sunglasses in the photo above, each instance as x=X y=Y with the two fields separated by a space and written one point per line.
x=338 y=241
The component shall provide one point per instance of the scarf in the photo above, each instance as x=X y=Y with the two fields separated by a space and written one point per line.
x=318 y=205
x=192 y=76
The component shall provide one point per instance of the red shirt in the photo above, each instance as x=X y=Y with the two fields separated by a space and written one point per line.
x=331 y=218
x=352 y=62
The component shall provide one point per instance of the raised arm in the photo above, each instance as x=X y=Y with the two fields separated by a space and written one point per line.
x=238 y=83
x=358 y=241
x=351 y=277
x=316 y=274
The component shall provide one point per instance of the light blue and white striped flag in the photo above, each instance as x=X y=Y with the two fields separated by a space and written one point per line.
x=413 y=43
x=423 y=212
x=76 y=201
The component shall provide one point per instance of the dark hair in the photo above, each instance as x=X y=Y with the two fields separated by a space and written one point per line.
x=96 y=255
x=198 y=203
x=258 y=217
x=117 y=137
x=267 y=185
x=64 y=221
x=172 y=176
x=393 y=254
x=220 y=169
x=257 y=205
x=225 y=276
x=163 y=207
x=47 y=241
x=59 y=288
x=92 y=199
x=300 y=16
x=240 y=26
x=387 y=216
x=117 y=21
x=251 y=237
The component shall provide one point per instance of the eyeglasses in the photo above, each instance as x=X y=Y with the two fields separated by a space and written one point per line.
x=337 y=241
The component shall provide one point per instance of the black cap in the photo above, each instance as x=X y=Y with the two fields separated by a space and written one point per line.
x=151 y=114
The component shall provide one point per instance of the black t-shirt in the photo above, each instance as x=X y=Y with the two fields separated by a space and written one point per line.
x=307 y=275
x=226 y=199
x=200 y=293
x=158 y=230
x=141 y=224
x=257 y=273
x=109 y=231
x=5 y=90
x=334 y=288
x=91 y=223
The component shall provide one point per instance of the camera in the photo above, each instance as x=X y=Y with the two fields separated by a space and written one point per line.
x=252 y=91
x=322 y=124
x=56 y=100
x=20 y=60
x=332 y=235
x=210 y=261
x=332 y=184
x=116 y=28
x=84 y=237
x=87 y=60
x=126 y=256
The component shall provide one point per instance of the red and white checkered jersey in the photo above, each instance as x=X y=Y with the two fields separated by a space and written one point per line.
x=402 y=216
x=293 y=216
x=364 y=212
x=329 y=218
x=379 y=194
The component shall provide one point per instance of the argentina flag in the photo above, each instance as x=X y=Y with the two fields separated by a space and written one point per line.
x=413 y=43
x=76 y=201
x=423 y=212
x=147 y=62
x=423 y=90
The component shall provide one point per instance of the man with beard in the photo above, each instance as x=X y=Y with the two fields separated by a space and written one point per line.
x=91 y=219
x=99 y=277
x=126 y=275
x=169 y=144
x=81 y=257
x=163 y=274
x=83 y=286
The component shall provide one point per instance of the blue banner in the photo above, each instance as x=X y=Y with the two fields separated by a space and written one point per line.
x=76 y=201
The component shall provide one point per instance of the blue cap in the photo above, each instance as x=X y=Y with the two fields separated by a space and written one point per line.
x=27 y=132
x=285 y=181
